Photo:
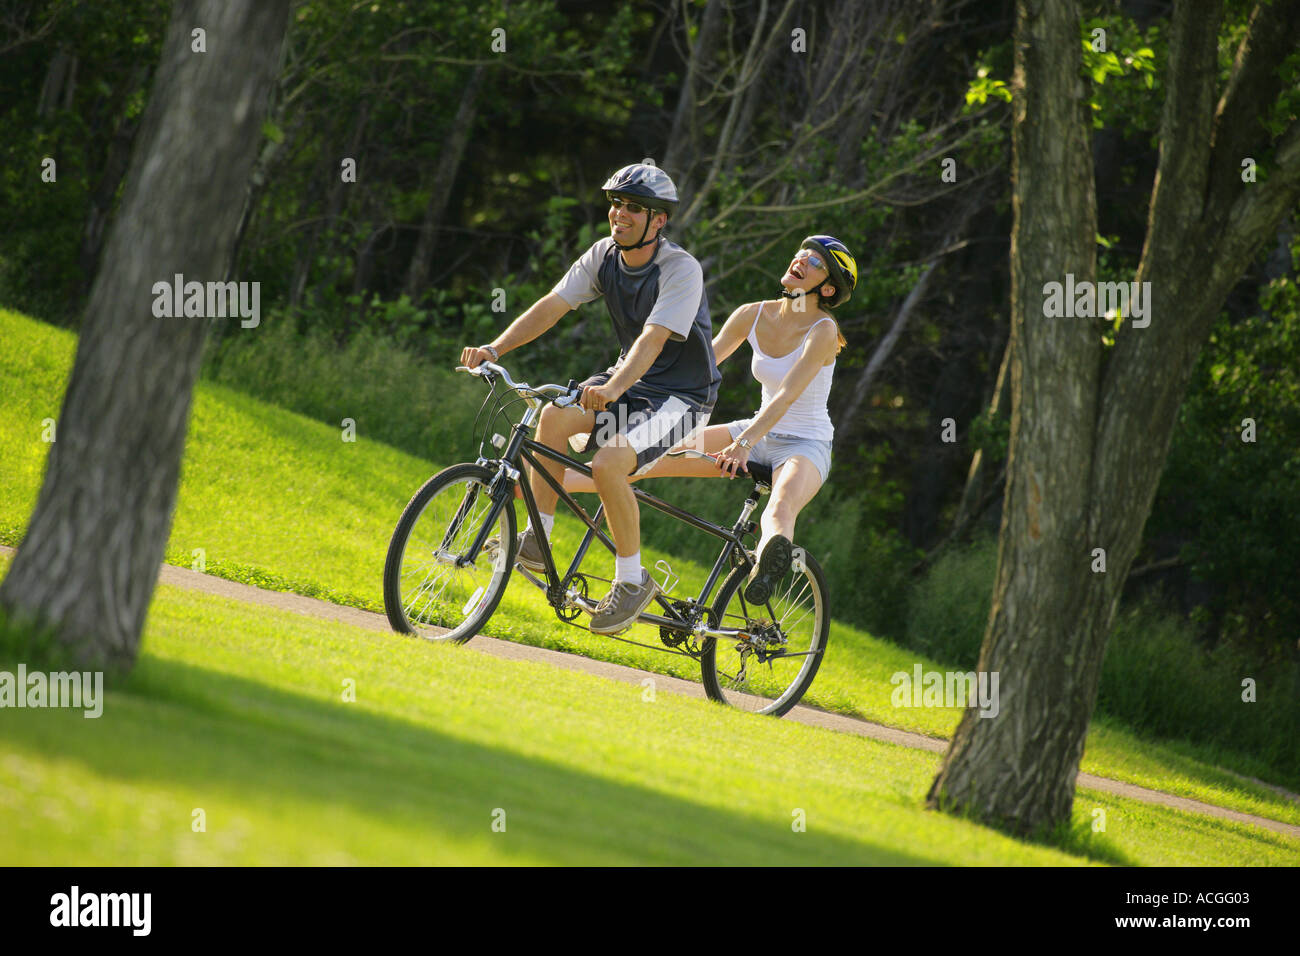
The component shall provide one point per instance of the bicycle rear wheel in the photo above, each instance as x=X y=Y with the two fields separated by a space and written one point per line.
x=769 y=668
x=426 y=590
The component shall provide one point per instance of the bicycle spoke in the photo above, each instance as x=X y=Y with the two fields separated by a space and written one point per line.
x=425 y=585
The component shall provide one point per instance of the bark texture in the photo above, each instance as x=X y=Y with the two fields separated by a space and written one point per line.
x=90 y=558
x=1089 y=438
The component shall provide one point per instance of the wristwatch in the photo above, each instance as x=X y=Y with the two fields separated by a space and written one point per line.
x=744 y=443
x=488 y=348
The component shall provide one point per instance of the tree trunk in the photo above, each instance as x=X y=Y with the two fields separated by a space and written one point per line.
x=1017 y=769
x=90 y=558
x=55 y=76
x=444 y=178
x=1087 y=446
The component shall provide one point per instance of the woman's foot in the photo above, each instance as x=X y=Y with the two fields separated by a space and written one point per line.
x=772 y=566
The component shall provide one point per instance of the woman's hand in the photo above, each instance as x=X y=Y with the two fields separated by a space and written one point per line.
x=734 y=459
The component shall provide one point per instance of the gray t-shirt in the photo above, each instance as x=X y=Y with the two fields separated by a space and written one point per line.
x=667 y=291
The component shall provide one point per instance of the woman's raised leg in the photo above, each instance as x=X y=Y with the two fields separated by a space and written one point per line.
x=711 y=440
x=793 y=485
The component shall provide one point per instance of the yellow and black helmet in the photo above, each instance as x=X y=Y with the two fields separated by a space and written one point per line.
x=841 y=265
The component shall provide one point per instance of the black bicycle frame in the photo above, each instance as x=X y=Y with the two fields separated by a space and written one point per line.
x=521 y=446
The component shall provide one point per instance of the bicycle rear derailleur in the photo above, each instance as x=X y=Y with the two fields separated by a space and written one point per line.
x=766 y=641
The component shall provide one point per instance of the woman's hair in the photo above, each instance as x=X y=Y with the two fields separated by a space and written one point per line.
x=821 y=304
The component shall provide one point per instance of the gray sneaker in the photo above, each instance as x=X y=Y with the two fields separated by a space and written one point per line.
x=618 y=610
x=528 y=553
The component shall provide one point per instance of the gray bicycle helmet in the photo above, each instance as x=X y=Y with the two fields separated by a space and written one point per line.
x=648 y=185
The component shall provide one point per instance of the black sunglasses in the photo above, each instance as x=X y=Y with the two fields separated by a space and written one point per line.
x=635 y=208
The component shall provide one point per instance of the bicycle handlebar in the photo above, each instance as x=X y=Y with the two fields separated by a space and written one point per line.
x=562 y=395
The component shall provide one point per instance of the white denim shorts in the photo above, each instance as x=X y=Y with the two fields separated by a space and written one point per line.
x=775 y=450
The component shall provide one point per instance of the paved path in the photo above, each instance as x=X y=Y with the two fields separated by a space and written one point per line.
x=324 y=610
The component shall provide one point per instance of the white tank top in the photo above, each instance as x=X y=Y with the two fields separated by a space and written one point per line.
x=807 y=417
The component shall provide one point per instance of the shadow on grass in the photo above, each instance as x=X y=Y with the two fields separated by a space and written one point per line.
x=177 y=725
x=1075 y=838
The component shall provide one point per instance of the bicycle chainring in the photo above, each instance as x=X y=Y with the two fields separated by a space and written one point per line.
x=568 y=613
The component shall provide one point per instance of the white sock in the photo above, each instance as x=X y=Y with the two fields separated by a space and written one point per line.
x=548 y=524
x=628 y=569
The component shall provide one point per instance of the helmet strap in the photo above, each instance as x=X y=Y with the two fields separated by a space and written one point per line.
x=644 y=241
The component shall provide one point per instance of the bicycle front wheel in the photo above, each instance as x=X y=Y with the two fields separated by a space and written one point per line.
x=429 y=588
x=772 y=664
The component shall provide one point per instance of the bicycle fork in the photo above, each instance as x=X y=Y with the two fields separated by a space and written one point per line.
x=500 y=491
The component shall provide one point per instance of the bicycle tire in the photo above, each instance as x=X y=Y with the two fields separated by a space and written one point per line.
x=771 y=696
x=442 y=610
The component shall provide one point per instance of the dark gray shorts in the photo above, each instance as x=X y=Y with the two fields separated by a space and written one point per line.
x=651 y=420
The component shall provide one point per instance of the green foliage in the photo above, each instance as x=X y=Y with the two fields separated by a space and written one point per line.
x=948 y=610
x=991 y=434
x=1136 y=58
x=411 y=403
x=1160 y=681
x=984 y=86
x=1232 y=501
x=1157 y=677
x=102 y=46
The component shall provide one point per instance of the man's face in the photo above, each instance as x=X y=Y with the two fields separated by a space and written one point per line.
x=625 y=225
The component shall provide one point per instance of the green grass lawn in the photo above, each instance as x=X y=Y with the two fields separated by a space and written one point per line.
x=275 y=499
x=239 y=711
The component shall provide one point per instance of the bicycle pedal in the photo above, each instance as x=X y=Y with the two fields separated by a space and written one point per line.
x=797 y=561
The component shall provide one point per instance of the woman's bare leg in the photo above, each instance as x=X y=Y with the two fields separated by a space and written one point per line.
x=793 y=485
x=711 y=440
